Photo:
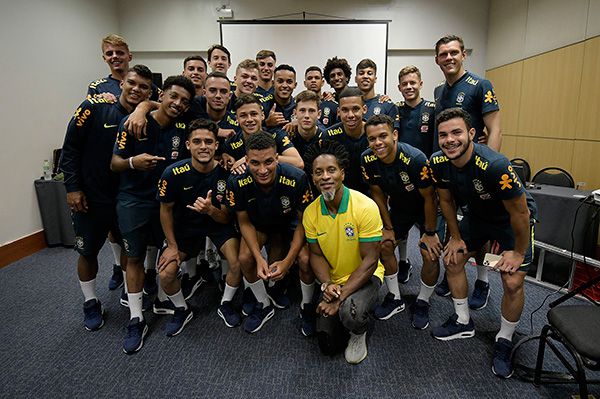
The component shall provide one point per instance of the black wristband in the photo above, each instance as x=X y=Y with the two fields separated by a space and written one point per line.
x=430 y=232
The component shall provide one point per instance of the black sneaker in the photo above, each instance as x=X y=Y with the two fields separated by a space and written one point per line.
x=404 y=271
x=278 y=296
x=150 y=286
x=229 y=315
x=389 y=307
x=258 y=318
x=309 y=317
x=189 y=285
x=501 y=361
x=92 y=315
x=163 y=307
x=248 y=302
x=442 y=288
x=179 y=320
x=116 y=280
x=134 y=338
x=480 y=295
x=452 y=329
x=420 y=317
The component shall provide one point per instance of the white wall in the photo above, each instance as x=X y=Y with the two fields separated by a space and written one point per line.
x=50 y=52
x=160 y=29
x=523 y=28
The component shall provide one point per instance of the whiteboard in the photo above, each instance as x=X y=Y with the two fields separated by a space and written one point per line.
x=304 y=43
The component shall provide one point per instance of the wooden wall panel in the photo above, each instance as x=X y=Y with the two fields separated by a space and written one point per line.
x=588 y=115
x=507 y=81
x=585 y=163
x=547 y=109
x=541 y=152
x=508 y=148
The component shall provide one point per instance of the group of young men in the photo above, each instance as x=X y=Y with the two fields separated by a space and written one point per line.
x=329 y=181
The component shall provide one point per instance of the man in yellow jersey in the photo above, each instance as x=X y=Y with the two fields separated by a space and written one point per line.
x=343 y=229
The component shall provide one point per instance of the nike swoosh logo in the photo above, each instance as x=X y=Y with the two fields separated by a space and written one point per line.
x=109 y=126
x=445 y=181
x=143 y=139
x=320 y=234
x=187 y=188
x=251 y=199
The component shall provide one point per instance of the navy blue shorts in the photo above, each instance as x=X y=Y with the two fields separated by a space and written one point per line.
x=475 y=233
x=140 y=228
x=192 y=245
x=92 y=227
x=403 y=223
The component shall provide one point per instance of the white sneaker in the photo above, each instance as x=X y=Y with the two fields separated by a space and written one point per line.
x=356 y=351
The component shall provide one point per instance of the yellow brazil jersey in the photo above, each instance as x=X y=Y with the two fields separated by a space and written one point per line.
x=357 y=220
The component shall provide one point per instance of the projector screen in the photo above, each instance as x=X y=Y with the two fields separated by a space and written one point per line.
x=304 y=43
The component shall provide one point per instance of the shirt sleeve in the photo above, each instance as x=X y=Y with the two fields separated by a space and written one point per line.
x=283 y=141
x=369 y=223
x=235 y=197
x=310 y=230
x=165 y=192
x=505 y=181
x=75 y=138
x=366 y=168
x=304 y=192
x=489 y=102
x=436 y=164
x=124 y=145
x=419 y=170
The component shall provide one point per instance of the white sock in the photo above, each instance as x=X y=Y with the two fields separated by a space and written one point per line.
x=507 y=329
x=391 y=283
x=160 y=293
x=89 y=289
x=482 y=273
x=402 y=250
x=308 y=291
x=116 y=250
x=246 y=283
x=125 y=281
x=461 y=307
x=190 y=267
x=151 y=255
x=178 y=300
x=228 y=293
x=425 y=292
x=260 y=292
x=135 y=305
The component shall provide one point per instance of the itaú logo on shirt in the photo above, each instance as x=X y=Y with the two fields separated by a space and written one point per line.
x=350 y=231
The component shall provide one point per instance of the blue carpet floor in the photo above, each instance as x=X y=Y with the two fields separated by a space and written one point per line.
x=46 y=352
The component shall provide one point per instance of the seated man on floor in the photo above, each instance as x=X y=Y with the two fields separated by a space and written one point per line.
x=343 y=229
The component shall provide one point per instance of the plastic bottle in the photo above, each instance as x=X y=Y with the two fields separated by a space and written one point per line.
x=46 y=170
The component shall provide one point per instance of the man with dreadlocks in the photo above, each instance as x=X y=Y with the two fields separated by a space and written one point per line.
x=343 y=230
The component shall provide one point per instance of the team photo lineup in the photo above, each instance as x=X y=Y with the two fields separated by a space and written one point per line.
x=224 y=173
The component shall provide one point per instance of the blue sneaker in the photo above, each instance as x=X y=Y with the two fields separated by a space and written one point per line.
x=163 y=307
x=189 y=285
x=452 y=329
x=309 y=319
x=248 y=302
x=501 y=361
x=134 y=339
x=92 y=315
x=229 y=315
x=404 y=271
x=116 y=280
x=150 y=286
x=180 y=318
x=389 y=307
x=442 y=288
x=278 y=297
x=480 y=295
x=146 y=301
x=258 y=318
x=420 y=317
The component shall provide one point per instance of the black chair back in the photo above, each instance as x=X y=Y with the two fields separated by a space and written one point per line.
x=520 y=162
x=554 y=176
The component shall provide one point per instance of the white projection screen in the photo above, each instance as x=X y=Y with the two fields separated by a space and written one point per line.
x=302 y=43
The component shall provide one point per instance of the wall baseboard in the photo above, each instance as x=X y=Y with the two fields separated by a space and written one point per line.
x=21 y=248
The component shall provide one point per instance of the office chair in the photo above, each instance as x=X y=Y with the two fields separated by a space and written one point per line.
x=554 y=176
x=516 y=162
x=577 y=329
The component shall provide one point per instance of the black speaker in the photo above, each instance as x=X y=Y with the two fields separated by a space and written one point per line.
x=157 y=79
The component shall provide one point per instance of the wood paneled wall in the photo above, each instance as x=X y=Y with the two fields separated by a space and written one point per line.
x=550 y=110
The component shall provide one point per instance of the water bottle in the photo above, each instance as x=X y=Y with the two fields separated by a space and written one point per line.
x=46 y=170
